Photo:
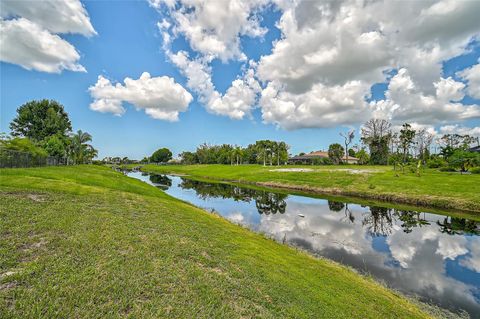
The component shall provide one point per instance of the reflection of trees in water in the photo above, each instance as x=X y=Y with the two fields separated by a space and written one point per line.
x=410 y=219
x=266 y=202
x=161 y=181
x=379 y=222
x=339 y=206
x=459 y=226
x=271 y=203
x=335 y=206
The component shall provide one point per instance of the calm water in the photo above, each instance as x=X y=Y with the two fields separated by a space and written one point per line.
x=433 y=256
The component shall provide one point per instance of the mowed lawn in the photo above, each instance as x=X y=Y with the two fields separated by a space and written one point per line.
x=431 y=188
x=88 y=242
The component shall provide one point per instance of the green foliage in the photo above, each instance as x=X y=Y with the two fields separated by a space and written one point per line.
x=161 y=155
x=189 y=158
x=262 y=152
x=407 y=135
x=463 y=160
x=335 y=152
x=453 y=143
x=376 y=133
x=351 y=152
x=79 y=149
x=363 y=157
x=447 y=169
x=323 y=161
x=41 y=119
x=24 y=145
x=56 y=145
x=475 y=170
x=436 y=162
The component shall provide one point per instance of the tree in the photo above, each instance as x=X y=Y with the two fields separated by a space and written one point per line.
x=452 y=142
x=80 y=151
x=23 y=145
x=363 y=157
x=376 y=133
x=161 y=155
x=237 y=154
x=423 y=140
x=463 y=159
x=281 y=152
x=189 y=158
x=41 y=119
x=90 y=153
x=407 y=134
x=56 y=145
x=263 y=150
x=348 y=137
x=335 y=152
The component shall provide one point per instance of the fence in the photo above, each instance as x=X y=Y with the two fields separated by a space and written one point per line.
x=11 y=158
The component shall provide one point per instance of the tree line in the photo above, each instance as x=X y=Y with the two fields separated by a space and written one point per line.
x=265 y=152
x=43 y=129
x=414 y=146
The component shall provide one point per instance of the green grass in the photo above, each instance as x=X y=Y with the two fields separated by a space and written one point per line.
x=433 y=188
x=87 y=242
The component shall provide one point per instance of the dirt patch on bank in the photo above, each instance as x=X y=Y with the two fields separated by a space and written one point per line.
x=300 y=170
x=354 y=171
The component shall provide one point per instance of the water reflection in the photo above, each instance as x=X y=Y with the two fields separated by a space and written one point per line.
x=433 y=256
x=265 y=202
x=161 y=181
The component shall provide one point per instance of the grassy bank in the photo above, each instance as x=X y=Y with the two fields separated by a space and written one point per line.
x=432 y=189
x=89 y=242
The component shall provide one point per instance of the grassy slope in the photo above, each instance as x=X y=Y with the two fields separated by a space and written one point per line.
x=433 y=188
x=89 y=242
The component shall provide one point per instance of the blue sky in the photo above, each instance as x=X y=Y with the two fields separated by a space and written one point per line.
x=307 y=110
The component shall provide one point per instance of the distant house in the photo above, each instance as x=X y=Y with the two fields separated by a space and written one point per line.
x=475 y=149
x=311 y=157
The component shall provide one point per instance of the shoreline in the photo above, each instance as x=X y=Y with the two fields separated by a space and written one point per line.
x=424 y=201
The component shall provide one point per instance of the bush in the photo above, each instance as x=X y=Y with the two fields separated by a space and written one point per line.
x=475 y=170
x=436 y=163
x=322 y=161
x=447 y=169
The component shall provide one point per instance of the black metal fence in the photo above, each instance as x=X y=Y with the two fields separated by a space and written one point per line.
x=11 y=158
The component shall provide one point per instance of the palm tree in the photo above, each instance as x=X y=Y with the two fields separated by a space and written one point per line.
x=80 y=150
x=238 y=153
x=90 y=153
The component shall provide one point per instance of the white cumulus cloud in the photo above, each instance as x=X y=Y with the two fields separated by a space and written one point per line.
x=161 y=97
x=321 y=106
x=328 y=45
x=405 y=102
x=461 y=130
x=239 y=98
x=56 y=16
x=214 y=27
x=472 y=76
x=29 y=34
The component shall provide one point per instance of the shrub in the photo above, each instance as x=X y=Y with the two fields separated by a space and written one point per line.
x=436 y=163
x=327 y=161
x=322 y=161
x=447 y=169
x=475 y=170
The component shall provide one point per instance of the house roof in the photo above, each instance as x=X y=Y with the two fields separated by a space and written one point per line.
x=475 y=149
